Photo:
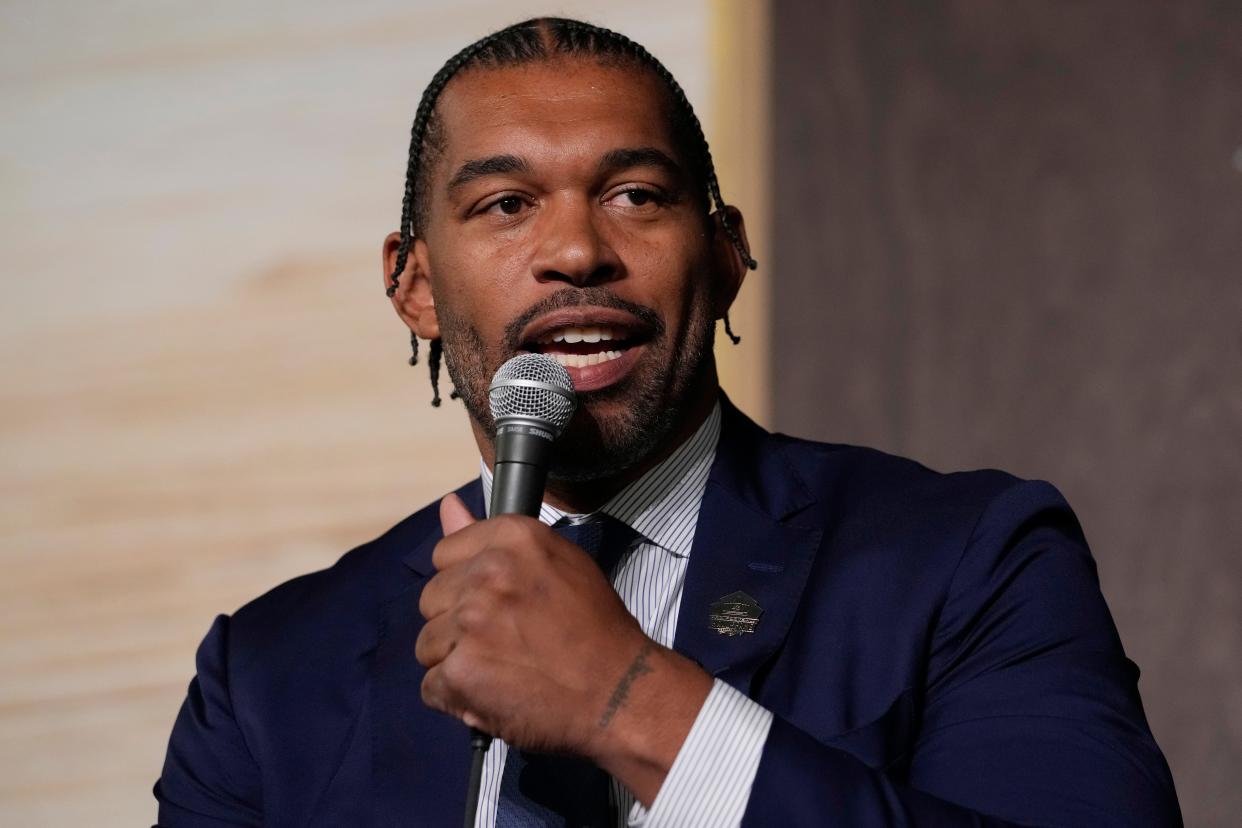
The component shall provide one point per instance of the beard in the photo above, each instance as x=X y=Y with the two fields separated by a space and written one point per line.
x=614 y=428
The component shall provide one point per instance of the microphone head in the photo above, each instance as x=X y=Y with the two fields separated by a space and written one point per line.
x=535 y=387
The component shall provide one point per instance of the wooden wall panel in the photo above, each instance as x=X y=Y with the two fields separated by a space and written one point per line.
x=740 y=145
x=204 y=388
x=1010 y=234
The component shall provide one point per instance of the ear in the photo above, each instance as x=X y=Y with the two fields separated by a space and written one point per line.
x=413 y=299
x=730 y=266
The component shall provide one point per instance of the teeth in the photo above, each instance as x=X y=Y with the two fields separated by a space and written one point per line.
x=583 y=360
x=580 y=335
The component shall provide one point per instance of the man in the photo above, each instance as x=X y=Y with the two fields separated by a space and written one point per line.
x=790 y=633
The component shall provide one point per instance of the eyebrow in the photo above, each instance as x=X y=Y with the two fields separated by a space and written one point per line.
x=625 y=158
x=613 y=160
x=480 y=167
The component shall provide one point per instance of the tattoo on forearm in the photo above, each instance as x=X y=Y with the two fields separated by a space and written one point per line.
x=638 y=667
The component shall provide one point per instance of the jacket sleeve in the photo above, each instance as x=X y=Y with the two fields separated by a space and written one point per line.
x=1030 y=712
x=210 y=779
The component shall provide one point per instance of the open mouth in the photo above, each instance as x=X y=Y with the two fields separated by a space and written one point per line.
x=598 y=346
x=580 y=347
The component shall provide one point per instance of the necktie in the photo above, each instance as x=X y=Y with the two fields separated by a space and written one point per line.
x=539 y=789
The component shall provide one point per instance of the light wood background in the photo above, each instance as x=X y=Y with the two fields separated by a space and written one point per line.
x=204 y=389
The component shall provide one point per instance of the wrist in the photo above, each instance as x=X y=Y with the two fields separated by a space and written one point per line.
x=647 y=717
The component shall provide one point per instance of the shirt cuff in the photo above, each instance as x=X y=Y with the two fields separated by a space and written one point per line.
x=710 y=780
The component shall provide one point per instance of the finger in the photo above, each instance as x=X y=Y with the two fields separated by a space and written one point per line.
x=442 y=591
x=512 y=533
x=438 y=695
x=442 y=687
x=435 y=694
x=436 y=640
x=460 y=546
x=453 y=514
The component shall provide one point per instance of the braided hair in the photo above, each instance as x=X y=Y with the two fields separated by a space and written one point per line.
x=535 y=40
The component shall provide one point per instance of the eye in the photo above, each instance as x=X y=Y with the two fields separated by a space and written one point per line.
x=638 y=197
x=509 y=205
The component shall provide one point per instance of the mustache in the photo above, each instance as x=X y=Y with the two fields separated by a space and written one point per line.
x=593 y=297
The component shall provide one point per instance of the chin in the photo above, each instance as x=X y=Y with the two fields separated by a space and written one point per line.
x=607 y=437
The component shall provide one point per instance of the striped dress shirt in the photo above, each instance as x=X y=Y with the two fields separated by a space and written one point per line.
x=710 y=780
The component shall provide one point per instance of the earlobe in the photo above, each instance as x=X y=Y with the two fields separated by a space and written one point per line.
x=412 y=297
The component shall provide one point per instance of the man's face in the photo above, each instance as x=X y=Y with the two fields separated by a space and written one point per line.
x=563 y=219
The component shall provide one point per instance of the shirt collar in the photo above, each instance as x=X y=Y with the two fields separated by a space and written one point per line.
x=663 y=504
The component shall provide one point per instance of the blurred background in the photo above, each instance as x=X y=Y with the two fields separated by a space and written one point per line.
x=990 y=234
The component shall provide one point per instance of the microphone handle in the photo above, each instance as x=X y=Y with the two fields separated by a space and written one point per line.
x=523 y=449
x=517 y=488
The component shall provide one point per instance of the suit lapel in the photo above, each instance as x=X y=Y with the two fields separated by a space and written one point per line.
x=421 y=756
x=748 y=539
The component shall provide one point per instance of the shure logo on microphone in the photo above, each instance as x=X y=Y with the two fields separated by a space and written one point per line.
x=524 y=428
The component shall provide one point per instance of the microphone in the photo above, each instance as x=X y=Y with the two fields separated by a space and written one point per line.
x=532 y=398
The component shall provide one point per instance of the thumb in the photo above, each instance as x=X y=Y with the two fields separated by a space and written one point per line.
x=453 y=514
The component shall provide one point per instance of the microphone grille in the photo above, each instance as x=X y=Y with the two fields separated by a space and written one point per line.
x=535 y=386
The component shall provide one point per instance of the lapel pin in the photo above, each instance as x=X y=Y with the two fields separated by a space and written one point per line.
x=734 y=614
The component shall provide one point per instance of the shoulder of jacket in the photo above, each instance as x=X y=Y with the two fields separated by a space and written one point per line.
x=332 y=607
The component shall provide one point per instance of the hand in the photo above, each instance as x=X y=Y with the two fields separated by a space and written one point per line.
x=526 y=640
x=524 y=636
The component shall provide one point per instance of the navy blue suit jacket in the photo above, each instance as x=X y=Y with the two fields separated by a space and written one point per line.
x=934 y=647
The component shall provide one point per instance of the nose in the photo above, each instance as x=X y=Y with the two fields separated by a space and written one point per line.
x=571 y=247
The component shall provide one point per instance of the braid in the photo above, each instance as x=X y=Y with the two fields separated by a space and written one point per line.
x=521 y=43
x=414 y=162
x=433 y=365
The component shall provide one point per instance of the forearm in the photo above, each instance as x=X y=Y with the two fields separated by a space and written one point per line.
x=649 y=714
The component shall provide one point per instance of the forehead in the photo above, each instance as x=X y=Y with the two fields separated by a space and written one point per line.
x=565 y=106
